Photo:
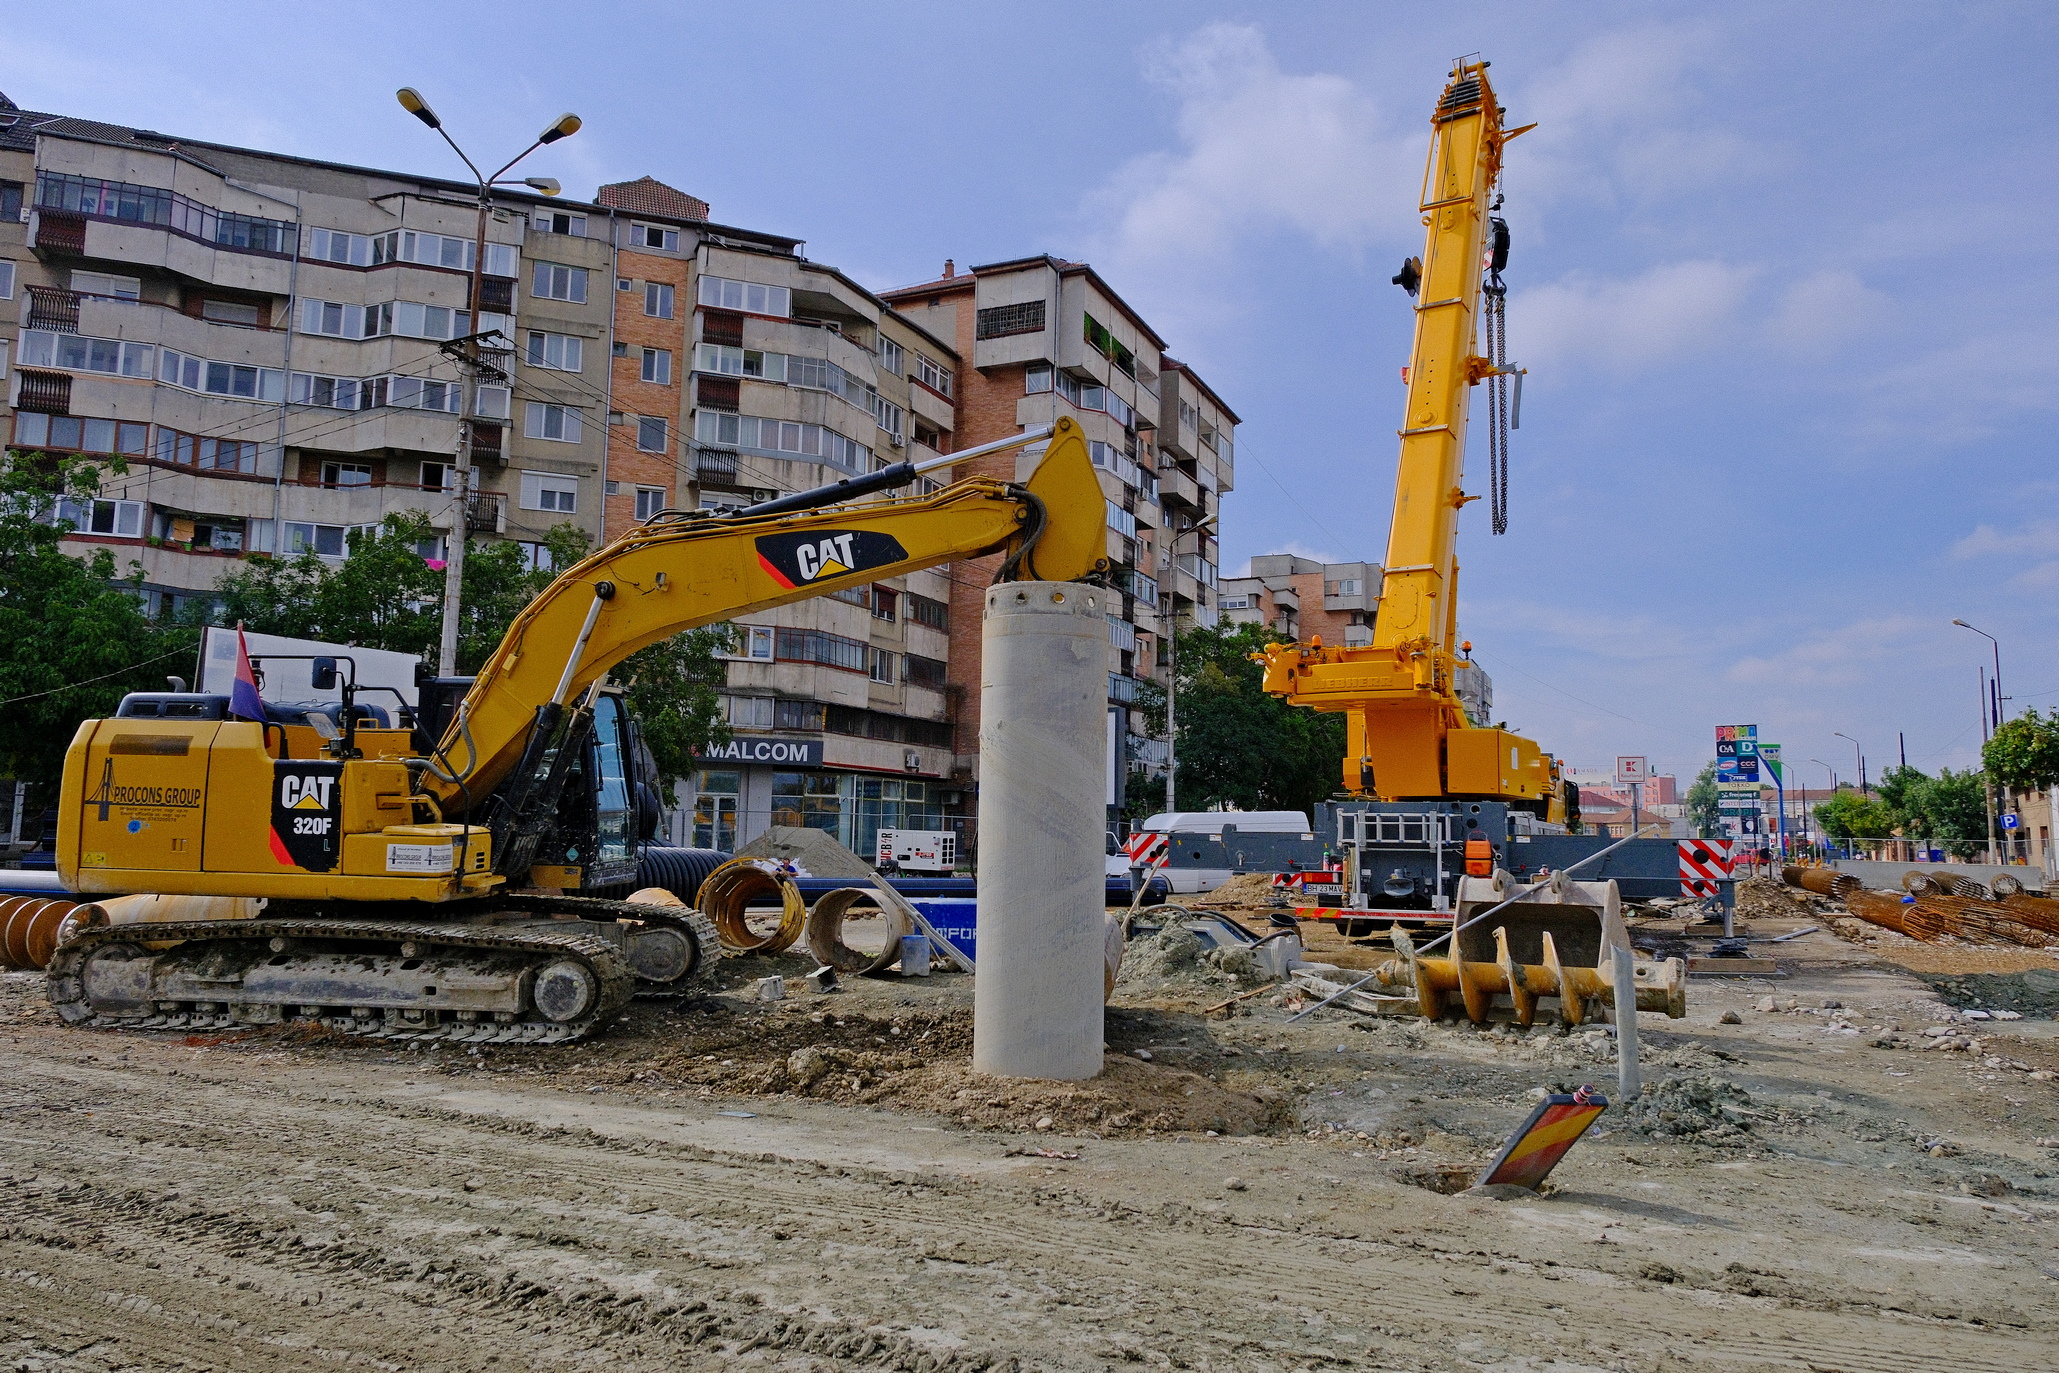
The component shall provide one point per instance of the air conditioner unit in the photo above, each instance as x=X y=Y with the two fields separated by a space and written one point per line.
x=897 y=440
x=912 y=760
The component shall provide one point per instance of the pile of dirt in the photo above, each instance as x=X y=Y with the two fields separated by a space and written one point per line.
x=1177 y=959
x=1129 y=1098
x=1244 y=891
x=2031 y=992
x=819 y=854
x=1766 y=898
x=1703 y=1110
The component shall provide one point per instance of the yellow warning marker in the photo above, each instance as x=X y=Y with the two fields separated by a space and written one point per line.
x=1535 y=1149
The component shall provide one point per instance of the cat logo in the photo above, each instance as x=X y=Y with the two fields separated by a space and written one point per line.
x=305 y=793
x=307 y=814
x=799 y=559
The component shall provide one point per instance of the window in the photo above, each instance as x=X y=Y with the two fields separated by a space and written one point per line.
x=492 y=402
x=559 y=423
x=536 y=557
x=119 y=519
x=654 y=236
x=79 y=353
x=657 y=300
x=342 y=474
x=327 y=540
x=441 y=250
x=3 y=358
x=166 y=209
x=439 y=476
x=554 y=281
x=560 y=352
x=549 y=491
x=78 y=434
x=6 y=280
x=923 y=672
x=999 y=321
x=102 y=284
x=797 y=715
x=781 y=436
x=853 y=595
x=558 y=222
x=819 y=646
x=332 y=318
x=649 y=501
x=1106 y=344
x=624 y=284
x=232 y=312
x=657 y=365
x=885 y=602
x=890 y=356
x=333 y=245
x=936 y=378
x=924 y=611
x=885 y=413
x=723 y=360
x=881 y=669
x=1121 y=520
x=418 y=393
x=753 y=643
x=1036 y=380
x=650 y=435
x=1122 y=634
x=750 y=712
x=721 y=293
x=209 y=455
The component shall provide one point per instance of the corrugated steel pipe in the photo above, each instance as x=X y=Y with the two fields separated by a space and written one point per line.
x=679 y=871
x=724 y=897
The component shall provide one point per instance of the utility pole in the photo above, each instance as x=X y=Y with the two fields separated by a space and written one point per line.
x=564 y=126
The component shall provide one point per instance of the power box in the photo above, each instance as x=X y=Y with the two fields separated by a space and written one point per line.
x=918 y=851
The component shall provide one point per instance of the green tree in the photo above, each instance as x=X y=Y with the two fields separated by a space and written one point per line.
x=1899 y=788
x=1950 y=810
x=1702 y=811
x=73 y=634
x=1240 y=745
x=674 y=689
x=1849 y=815
x=2024 y=752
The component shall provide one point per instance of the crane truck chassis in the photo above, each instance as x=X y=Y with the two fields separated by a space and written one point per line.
x=455 y=880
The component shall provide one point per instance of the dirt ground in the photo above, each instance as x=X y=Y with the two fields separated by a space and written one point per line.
x=821 y=1183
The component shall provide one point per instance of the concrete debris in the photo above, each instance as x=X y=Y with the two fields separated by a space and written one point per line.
x=1702 y=1109
x=1730 y=1018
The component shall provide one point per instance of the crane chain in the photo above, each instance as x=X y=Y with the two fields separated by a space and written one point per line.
x=1496 y=323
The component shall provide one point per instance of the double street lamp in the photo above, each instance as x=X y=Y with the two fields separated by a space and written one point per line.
x=564 y=126
x=1857 y=755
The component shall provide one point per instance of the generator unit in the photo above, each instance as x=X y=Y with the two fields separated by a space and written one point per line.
x=932 y=851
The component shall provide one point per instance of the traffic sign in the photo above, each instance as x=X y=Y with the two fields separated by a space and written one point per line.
x=1631 y=769
x=2011 y=820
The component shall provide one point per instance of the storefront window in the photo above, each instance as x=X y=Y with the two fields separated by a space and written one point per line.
x=813 y=799
x=889 y=803
x=714 y=809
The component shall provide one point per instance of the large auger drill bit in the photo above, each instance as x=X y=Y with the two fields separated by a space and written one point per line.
x=1581 y=992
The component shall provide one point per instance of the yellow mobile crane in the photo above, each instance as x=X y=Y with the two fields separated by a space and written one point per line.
x=1411 y=737
x=452 y=879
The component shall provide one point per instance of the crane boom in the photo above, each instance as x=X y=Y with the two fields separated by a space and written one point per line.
x=1410 y=737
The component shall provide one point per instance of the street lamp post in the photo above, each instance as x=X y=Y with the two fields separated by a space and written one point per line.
x=1858 y=756
x=1172 y=667
x=564 y=126
x=1991 y=721
x=1822 y=839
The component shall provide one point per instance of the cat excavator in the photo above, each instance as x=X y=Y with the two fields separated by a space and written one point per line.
x=453 y=877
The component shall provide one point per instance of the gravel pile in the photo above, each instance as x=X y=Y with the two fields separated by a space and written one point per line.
x=1703 y=1110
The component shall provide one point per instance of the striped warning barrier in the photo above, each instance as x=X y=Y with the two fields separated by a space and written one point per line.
x=1704 y=863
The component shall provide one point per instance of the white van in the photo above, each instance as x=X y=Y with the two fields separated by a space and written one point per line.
x=1203 y=849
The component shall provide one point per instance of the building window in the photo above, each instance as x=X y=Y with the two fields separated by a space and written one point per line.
x=649 y=501
x=549 y=491
x=439 y=476
x=781 y=436
x=536 y=557
x=650 y=435
x=923 y=672
x=819 y=646
x=657 y=300
x=103 y=284
x=657 y=366
x=753 y=643
x=999 y=321
x=654 y=236
x=556 y=282
x=77 y=434
x=342 y=474
x=750 y=712
x=885 y=603
x=559 y=423
x=932 y=614
x=11 y=196
x=324 y=540
x=558 y=222
x=936 y=378
x=559 y=352
x=1121 y=520
x=231 y=312
x=1108 y=346
x=3 y=359
x=333 y=245
x=117 y=519
x=78 y=353
x=164 y=208
x=209 y=455
x=882 y=667
x=721 y=293
x=890 y=356
x=6 y=281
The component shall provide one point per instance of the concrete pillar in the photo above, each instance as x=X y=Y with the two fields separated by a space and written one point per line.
x=1037 y=1002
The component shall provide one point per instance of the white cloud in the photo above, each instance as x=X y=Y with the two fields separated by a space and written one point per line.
x=1260 y=150
x=1826 y=309
x=1871 y=651
x=2039 y=538
x=1630 y=325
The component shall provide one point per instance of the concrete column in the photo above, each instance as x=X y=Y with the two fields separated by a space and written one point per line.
x=1037 y=1002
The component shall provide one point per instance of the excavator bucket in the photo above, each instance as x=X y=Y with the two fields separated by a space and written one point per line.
x=1555 y=944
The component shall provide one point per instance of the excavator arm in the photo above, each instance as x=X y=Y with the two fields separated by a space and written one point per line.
x=679 y=573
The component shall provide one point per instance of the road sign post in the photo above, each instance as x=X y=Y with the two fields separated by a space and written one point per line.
x=1631 y=772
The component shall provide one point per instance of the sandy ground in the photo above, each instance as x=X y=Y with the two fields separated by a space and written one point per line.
x=822 y=1184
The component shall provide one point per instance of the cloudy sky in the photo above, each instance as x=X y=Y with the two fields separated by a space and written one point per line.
x=1781 y=277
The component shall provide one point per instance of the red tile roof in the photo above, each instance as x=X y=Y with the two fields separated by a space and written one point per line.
x=649 y=196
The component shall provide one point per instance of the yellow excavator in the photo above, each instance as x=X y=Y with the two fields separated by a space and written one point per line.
x=1411 y=734
x=453 y=879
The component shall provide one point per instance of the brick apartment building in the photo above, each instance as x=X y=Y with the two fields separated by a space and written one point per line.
x=1045 y=337
x=1303 y=599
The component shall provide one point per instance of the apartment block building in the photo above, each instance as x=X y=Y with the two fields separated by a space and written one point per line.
x=1044 y=337
x=1301 y=598
x=262 y=340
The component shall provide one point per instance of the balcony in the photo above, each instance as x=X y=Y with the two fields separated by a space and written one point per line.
x=51 y=308
x=1177 y=489
x=715 y=466
x=487 y=442
x=47 y=393
x=58 y=231
x=486 y=512
x=497 y=294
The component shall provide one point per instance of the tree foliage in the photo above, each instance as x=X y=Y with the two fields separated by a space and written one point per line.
x=1239 y=745
x=2024 y=752
x=1702 y=809
x=1849 y=815
x=73 y=634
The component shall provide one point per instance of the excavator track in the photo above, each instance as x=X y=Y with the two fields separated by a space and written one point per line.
x=529 y=984
x=691 y=924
